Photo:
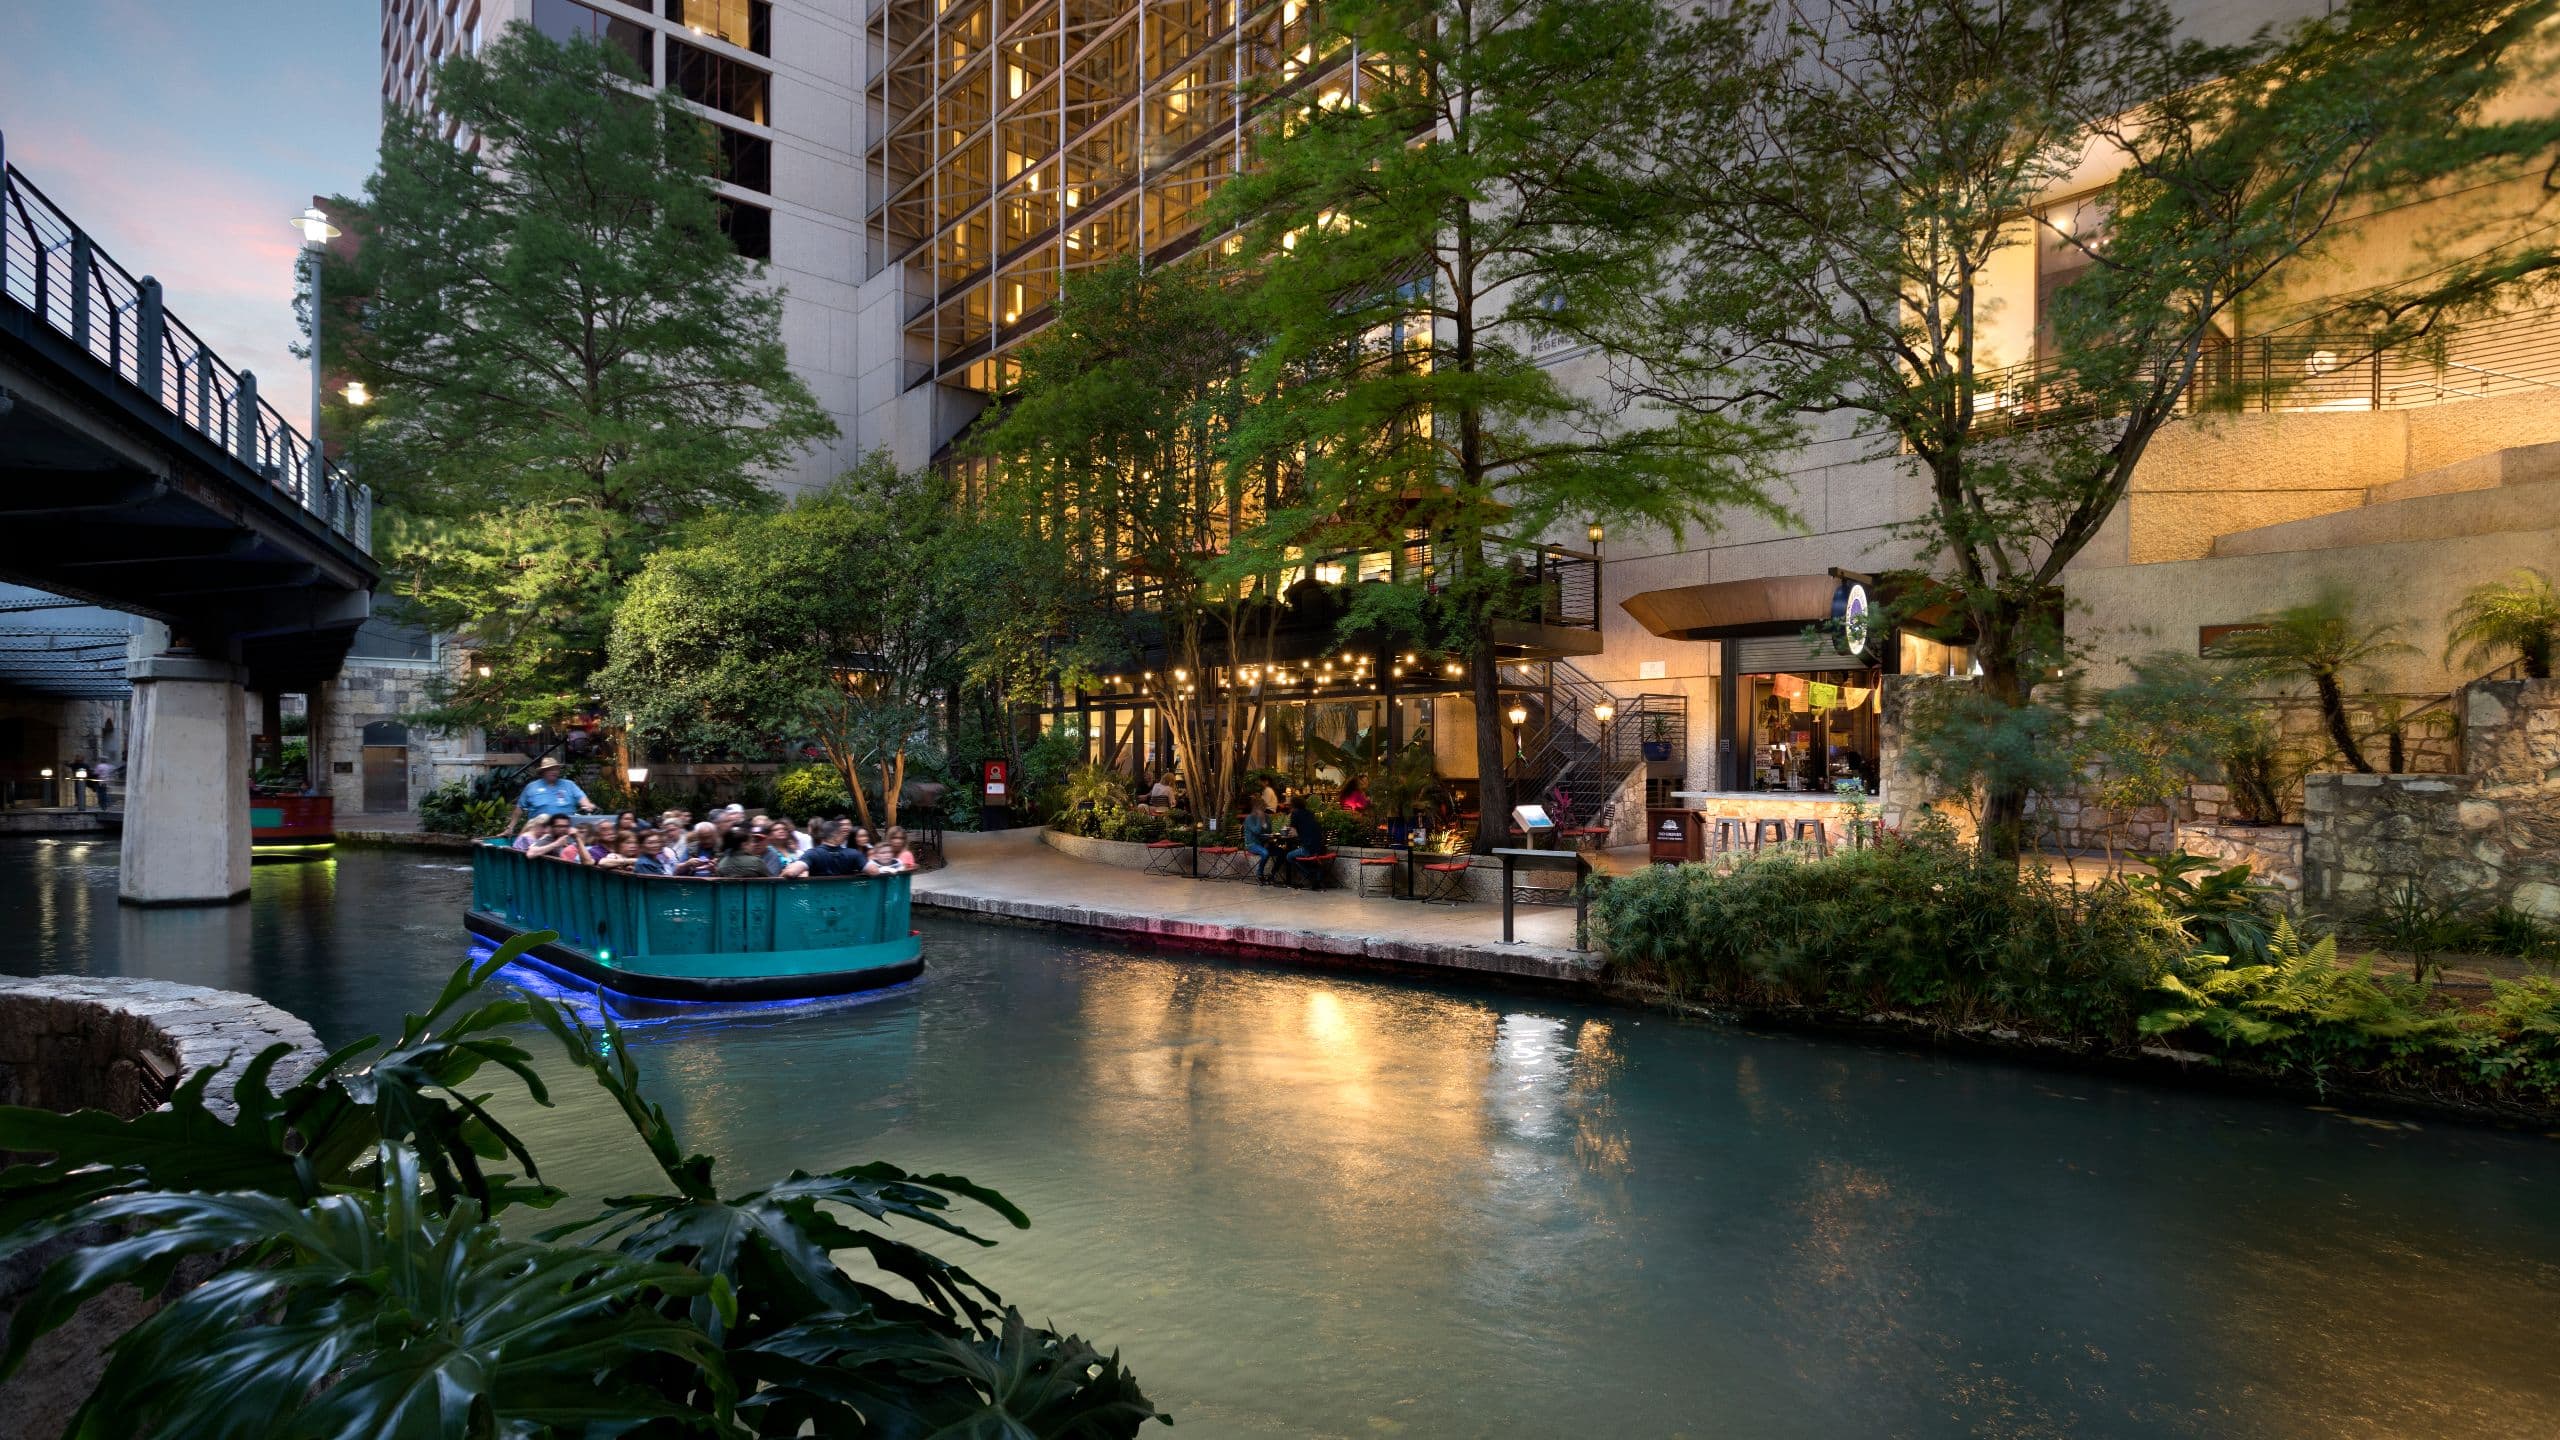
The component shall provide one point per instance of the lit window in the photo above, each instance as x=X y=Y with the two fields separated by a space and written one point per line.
x=747 y=24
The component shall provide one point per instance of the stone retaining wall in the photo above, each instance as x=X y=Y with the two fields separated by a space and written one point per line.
x=2273 y=853
x=71 y=1042
x=2484 y=838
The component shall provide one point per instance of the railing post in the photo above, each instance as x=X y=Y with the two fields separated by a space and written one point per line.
x=246 y=410
x=82 y=259
x=150 y=327
x=204 y=394
x=2377 y=377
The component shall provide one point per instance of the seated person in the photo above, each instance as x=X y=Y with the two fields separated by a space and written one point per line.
x=653 y=855
x=1160 y=794
x=1259 y=842
x=898 y=846
x=1306 y=838
x=741 y=856
x=884 y=860
x=551 y=838
x=779 y=836
x=624 y=856
x=603 y=838
x=1353 y=796
x=701 y=850
x=831 y=856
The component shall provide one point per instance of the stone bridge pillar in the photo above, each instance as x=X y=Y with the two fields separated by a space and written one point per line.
x=186 y=811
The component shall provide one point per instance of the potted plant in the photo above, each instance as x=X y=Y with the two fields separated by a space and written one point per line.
x=1657 y=737
x=1399 y=787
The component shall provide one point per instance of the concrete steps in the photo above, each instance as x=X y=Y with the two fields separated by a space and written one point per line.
x=2514 y=489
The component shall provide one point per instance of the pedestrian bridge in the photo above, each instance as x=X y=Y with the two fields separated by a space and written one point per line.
x=141 y=473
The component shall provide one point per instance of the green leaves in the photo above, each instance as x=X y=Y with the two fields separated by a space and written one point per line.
x=567 y=358
x=340 y=1276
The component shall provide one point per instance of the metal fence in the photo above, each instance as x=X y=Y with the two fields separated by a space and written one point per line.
x=2307 y=368
x=51 y=268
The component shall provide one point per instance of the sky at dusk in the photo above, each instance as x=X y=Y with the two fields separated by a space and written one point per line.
x=181 y=134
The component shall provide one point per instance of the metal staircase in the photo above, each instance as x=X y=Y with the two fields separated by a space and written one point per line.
x=1570 y=761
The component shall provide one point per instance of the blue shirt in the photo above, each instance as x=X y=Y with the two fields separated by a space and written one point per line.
x=551 y=797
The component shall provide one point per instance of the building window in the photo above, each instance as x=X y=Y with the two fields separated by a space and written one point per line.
x=749 y=227
x=747 y=24
x=567 y=20
x=746 y=161
x=1799 y=721
x=720 y=84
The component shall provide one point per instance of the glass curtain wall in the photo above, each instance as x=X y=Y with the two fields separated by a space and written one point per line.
x=1017 y=142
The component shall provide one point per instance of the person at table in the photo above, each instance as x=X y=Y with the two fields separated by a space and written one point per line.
x=549 y=794
x=1306 y=835
x=831 y=856
x=1259 y=842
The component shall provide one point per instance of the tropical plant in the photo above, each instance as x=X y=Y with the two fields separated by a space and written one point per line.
x=2325 y=643
x=2298 y=1002
x=2223 y=909
x=361 y=1283
x=811 y=790
x=1399 y=785
x=2520 y=613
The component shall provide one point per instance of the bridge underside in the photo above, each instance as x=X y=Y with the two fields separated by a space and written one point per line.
x=106 y=498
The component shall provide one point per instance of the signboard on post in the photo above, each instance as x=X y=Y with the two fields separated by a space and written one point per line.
x=995 y=796
x=1533 y=822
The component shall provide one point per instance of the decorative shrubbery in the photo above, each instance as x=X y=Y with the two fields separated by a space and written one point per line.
x=2202 y=963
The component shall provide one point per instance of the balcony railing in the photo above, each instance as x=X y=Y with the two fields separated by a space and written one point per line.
x=51 y=268
x=2307 y=369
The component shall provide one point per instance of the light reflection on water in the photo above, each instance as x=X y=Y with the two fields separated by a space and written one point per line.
x=1320 y=1204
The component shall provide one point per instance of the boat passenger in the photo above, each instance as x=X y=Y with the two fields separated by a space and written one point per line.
x=625 y=855
x=653 y=855
x=551 y=838
x=603 y=839
x=780 y=851
x=831 y=856
x=906 y=855
x=549 y=794
x=741 y=856
x=884 y=860
x=701 y=850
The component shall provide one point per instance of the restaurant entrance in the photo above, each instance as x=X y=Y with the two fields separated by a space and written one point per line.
x=1797 y=720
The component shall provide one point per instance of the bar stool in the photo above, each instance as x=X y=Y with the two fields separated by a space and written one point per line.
x=1767 y=828
x=1818 y=833
x=1729 y=834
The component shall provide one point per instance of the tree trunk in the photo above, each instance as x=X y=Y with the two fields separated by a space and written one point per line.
x=1493 y=785
x=2004 y=797
x=2333 y=712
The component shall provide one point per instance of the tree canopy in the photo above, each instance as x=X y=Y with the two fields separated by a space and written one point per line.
x=566 y=356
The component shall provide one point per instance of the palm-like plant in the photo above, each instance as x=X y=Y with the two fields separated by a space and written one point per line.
x=363 y=1290
x=2520 y=613
x=2325 y=642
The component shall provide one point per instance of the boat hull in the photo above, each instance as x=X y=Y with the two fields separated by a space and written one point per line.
x=688 y=939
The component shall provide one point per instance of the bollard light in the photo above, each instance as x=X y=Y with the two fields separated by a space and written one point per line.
x=636 y=774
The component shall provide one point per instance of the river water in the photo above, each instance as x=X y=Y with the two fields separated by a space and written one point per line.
x=1314 y=1204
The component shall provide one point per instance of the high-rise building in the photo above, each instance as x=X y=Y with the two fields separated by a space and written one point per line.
x=778 y=82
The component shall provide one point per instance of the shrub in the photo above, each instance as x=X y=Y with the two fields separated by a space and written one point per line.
x=465 y=807
x=362 y=1285
x=2223 y=910
x=811 y=790
x=1926 y=924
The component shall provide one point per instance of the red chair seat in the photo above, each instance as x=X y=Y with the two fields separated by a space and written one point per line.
x=1311 y=859
x=1166 y=845
x=1447 y=867
x=1381 y=861
x=1221 y=850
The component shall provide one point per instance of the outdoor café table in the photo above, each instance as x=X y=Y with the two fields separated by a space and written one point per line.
x=1581 y=897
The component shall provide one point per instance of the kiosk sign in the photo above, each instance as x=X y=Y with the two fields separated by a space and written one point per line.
x=995 y=795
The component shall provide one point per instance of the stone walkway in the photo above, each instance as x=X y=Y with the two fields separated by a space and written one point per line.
x=1012 y=875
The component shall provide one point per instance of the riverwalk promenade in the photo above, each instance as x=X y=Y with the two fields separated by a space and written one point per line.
x=1011 y=875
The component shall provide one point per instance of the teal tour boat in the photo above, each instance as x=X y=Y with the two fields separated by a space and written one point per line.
x=668 y=937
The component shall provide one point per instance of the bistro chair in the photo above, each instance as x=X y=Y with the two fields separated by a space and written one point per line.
x=1168 y=857
x=1382 y=866
x=1444 y=880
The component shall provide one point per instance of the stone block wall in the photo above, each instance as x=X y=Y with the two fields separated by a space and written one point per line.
x=2486 y=837
x=2273 y=853
x=370 y=690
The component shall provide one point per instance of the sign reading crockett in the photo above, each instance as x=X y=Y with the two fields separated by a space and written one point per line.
x=1849 y=617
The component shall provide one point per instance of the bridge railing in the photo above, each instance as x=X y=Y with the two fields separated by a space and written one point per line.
x=50 y=267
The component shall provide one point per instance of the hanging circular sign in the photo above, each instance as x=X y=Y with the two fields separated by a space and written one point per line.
x=1849 y=617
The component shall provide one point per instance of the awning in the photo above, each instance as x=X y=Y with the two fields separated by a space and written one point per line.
x=1727 y=609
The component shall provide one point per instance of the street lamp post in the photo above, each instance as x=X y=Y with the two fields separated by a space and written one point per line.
x=317 y=232
x=49 y=792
